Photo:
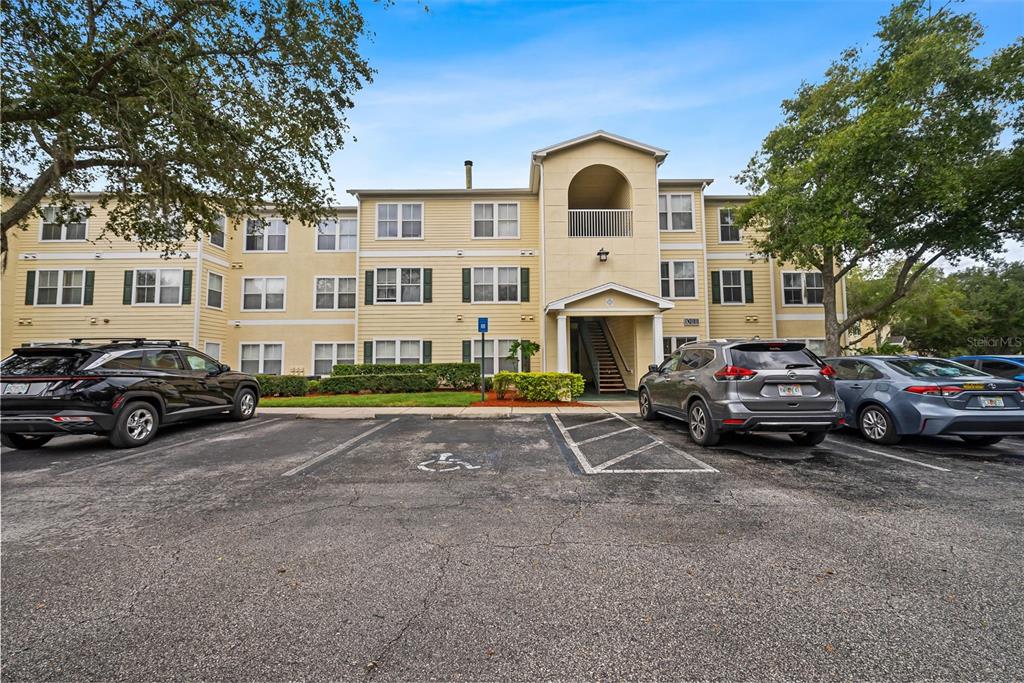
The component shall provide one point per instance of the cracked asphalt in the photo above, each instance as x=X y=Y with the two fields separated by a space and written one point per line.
x=196 y=558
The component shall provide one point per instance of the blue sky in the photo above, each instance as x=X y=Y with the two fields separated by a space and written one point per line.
x=492 y=81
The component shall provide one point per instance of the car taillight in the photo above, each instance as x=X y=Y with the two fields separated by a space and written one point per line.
x=934 y=391
x=828 y=371
x=951 y=391
x=734 y=372
x=1020 y=390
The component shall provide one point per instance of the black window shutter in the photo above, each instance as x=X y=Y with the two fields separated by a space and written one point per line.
x=524 y=284
x=186 y=287
x=716 y=287
x=428 y=287
x=526 y=359
x=666 y=289
x=467 y=285
x=30 y=288
x=428 y=352
x=126 y=295
x=90 y=285
x=367 y=352
x=467 y=351
x=368 y=297
x=748 y=285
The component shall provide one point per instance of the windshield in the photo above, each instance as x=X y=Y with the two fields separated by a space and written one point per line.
x=933 y=368
x=47 y=363
x=786 y=356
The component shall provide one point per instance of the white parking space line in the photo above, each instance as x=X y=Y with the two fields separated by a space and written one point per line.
x=340 y=447
x=166 y=447
x=587 y=424
x=605 y=436
x=889 y=455
x=605 y=467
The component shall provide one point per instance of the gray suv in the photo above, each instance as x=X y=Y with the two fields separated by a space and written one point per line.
x=721 y=386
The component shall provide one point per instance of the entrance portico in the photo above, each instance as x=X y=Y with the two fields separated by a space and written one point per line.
x=609 y=327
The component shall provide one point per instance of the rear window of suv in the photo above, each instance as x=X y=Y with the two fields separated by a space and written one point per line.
x=46 y=364
x=932 y=368
x=773 y=356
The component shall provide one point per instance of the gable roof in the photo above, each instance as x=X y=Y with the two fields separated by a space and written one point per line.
x=657 y=152
x=560 y=304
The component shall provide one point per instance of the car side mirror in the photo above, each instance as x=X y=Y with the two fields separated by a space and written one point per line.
x=654 y=367
x=224 y=367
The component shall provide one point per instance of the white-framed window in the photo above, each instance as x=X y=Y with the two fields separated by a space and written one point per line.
x=671 y=343
x=732 y=287
x=493 y=353
x=261 y=358
x=335 y=293
x=51 y=230
x=219 y=236
x=497 y=220
x=802 y=289
x=397 y=351
x=495 y=284
x=59 y=287
x=398 y=286
x=328 y=354
x=267 y=234
x=815 y=346
x=399 y=221
x=727 y=229
x=675 y=211
x=679 y=279
x=214 y=290
x=263 y=293
x=157 y=287
x=212 y=349
x=336 y=235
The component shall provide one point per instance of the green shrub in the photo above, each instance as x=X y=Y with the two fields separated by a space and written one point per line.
x=540 y=386
x=448 y=375
x=282 y=385
x=313 y=387
x=379 y=384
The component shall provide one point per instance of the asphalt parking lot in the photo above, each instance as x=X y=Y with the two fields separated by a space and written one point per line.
x=556 y=547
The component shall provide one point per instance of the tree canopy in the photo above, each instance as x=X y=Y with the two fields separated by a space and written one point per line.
x=910 y=154
x=176 y=111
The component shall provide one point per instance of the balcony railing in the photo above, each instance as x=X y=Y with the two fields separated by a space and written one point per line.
x=600 y=222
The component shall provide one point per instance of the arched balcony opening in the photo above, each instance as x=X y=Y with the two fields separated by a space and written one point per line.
x=600 y=203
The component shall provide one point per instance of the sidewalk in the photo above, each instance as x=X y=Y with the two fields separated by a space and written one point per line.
x=627 y=407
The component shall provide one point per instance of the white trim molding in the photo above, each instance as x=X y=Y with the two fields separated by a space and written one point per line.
x=560 y=304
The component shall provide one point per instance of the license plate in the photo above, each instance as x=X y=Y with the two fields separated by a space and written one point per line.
x=790 y=390
x=991 y=401
x=16 y=388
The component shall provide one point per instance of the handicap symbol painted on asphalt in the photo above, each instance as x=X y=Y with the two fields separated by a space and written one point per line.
x=445 y=462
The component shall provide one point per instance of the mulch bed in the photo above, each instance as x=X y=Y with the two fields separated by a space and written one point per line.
x=514 y=402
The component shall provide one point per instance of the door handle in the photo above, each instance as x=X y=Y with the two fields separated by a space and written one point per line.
x=691 y=377
x=856 y=386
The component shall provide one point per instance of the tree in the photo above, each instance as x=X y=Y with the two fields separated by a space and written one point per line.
x=995 y=294
x=178 y=111
x=913 y=156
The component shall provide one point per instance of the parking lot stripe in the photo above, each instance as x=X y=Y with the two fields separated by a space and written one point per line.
x=616 y=460
x=340 y=447
x=587 y=424
x=605 y=436
x=704 y=467
x=889 y=455
x=165 y=447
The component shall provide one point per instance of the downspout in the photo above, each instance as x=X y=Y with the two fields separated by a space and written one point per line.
x=197 y=290
x=707 y=274
x=543 y=275
x=355 y=320
x=771 y=289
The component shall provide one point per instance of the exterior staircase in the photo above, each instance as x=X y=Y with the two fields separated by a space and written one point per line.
x=609 y=379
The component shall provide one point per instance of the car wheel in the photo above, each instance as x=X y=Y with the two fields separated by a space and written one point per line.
x=135 y=425
x=701 y=427
x=876 y=426
x=982 y=440
x=647 y=411
x=25 y=442
x=808 y=438
x=245 y=404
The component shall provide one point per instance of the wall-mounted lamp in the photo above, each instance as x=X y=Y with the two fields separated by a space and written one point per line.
x=602 y=255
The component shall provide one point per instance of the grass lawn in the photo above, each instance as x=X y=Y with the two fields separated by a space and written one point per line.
x=435 y=399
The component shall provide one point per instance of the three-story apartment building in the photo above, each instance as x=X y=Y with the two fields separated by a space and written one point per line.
x=606 y=265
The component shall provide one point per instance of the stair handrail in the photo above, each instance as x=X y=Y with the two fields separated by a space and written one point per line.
x=588 y=348
x=619 y=358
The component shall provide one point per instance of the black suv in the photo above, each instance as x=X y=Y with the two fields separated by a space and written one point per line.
x=124 y=388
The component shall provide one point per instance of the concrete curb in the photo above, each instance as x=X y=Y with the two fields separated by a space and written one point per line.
x=480 y=413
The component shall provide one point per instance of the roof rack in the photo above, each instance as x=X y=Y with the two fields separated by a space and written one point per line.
x=137 y=341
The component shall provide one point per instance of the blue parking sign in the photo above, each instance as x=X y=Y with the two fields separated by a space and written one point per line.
x=481 y=325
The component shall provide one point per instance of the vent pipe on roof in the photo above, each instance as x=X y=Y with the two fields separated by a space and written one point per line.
x=469 y=174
